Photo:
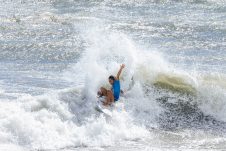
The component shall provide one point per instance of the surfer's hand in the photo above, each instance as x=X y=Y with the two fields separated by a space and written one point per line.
x=122 y=66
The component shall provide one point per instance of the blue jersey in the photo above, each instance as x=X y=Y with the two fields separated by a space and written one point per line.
x=116 y=89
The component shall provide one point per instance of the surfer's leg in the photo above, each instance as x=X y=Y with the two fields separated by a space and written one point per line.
x=108 y=94
x=109 y=98
x=102 y=92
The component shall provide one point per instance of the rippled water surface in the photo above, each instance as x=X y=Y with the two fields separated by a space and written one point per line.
x=55 y=54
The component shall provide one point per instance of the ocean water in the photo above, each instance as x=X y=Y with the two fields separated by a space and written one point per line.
x=55 y=54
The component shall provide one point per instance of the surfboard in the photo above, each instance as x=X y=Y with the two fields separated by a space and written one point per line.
x=101 y=108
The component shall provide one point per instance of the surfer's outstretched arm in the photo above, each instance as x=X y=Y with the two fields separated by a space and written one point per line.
x=120 y=71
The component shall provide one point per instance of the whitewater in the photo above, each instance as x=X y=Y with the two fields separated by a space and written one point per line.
x=56 y=54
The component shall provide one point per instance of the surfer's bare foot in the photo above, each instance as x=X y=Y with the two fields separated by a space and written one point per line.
x=105 y=103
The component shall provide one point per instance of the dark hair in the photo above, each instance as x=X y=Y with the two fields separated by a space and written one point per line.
x=112 y=77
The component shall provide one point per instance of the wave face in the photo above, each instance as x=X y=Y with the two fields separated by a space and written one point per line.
x=55 y=55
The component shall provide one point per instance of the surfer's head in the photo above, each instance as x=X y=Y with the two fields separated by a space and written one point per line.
x=111 y=79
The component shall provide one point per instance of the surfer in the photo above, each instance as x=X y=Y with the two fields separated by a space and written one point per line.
x=113 y=94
